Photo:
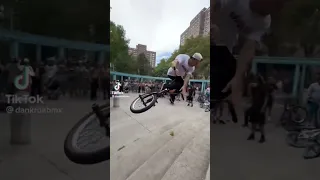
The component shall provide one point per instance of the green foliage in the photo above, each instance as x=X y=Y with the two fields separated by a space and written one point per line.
x=199 y=44
x=119 y=57
x=161 y=69
x=298 y=23
x=64 y=19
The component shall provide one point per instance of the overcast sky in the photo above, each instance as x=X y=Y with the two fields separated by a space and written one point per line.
x=156 y=23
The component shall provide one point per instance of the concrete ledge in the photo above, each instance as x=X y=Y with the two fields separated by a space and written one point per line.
x=156 y=146
x=193 y=163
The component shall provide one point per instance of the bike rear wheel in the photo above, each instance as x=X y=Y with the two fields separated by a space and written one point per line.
x=147 y=100
x=87 y=142
x=293 y=140
x=299 y=114
x=312 y=151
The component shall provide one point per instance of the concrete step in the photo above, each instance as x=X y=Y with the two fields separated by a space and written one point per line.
x=132 y=161
x=193 y=162
x=159 y=163
x=208 y=174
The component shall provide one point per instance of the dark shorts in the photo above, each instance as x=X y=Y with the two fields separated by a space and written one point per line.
x=256 y=117
x=177 y=83
x=223 y=68
x=189 y=98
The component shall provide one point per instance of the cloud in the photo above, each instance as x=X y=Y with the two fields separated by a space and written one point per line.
x=155 y=23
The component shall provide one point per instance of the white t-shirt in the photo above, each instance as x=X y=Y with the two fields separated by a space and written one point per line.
x=183 y=66
x=234 y=17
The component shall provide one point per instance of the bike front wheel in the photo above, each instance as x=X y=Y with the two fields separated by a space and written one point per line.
x=87 y=142
x=145 y=100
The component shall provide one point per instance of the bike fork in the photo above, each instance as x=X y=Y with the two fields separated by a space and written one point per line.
x=102 y=120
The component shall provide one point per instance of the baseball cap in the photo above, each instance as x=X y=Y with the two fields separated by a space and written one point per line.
x=197 y=56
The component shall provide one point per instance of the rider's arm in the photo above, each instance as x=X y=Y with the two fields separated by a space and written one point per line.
x=174 y=63
x=245 y=56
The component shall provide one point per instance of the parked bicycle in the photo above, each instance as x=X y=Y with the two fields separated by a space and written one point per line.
x=305 y=138
x=88 y=142
x=293 y=117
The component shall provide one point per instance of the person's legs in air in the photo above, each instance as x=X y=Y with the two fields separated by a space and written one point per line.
x=174 y=87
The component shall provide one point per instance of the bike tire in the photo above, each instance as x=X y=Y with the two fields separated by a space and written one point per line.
x=315 y=148
x=146 y=108
x=293 y=140
x=302 y=119
x=84 y=157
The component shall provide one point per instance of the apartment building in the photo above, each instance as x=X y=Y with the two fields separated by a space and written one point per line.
x=199 y=26
x=140 y=48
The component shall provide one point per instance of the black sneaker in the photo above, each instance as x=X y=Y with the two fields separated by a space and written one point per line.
x=222 y=122
x=171 y=101
x=244 y=125
x=188 y=105
x=262 y=139
x=251 y=137
x=191 y=105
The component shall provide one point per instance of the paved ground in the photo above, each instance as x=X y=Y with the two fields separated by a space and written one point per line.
x=45 y=159
x=233 y=157
x=163 y=143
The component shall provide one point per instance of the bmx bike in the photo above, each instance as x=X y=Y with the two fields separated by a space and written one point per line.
x=148 y=100
x=88 y=142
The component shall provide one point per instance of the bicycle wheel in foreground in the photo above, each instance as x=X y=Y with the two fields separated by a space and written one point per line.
x=87 y=142
x=143 y=103
x=312 y=151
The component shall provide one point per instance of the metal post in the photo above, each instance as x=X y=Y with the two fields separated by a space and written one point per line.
x=254 y=67
x=296 y=81
x=38 y=53
x=61 y=52
x=301 y=93
x=14 y=50
x=116 y=101
x=20 y=123
x=101 y=57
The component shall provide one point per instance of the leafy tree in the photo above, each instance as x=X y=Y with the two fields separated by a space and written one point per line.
x=161 y=69
x=298 y=23
x=119 y=57
x=73 y=19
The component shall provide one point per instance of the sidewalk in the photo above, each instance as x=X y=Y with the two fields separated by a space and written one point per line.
x=44 y=158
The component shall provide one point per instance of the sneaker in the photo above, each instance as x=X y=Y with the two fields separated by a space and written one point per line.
x=262 y=139
x=171 y=101
x=188 y=105
x=251 y=137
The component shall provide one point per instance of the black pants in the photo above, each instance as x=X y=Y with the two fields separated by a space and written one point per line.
x=36 y=87
x=176 y=84
x=94 y=88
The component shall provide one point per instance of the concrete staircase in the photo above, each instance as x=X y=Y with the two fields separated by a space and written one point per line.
x=180 y=153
